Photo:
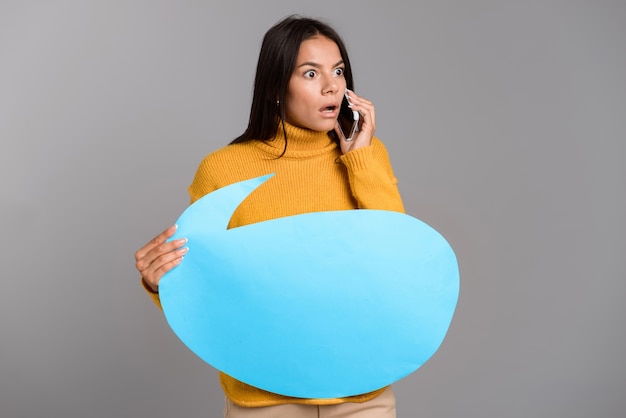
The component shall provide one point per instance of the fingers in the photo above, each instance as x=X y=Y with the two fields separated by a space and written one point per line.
x=155 y=242
x=365 y=109
x=154 y=272
x=159 y=256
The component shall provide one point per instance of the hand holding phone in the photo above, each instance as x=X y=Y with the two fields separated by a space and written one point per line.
x=357 y=119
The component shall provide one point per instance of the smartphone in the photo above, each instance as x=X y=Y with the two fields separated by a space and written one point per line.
x=348 y=120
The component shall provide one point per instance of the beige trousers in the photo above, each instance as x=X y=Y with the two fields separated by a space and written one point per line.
x=382 y=406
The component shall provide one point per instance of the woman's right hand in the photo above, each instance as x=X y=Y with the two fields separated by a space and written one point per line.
x=158 y=257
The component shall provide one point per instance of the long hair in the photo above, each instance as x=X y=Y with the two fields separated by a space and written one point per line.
x=277 y=60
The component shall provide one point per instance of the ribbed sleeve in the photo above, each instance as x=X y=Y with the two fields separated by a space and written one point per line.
x=371 y=178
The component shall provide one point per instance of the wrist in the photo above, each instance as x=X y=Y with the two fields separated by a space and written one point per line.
x=149 y=288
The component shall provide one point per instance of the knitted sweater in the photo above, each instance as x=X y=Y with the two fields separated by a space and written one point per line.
x=311 y=176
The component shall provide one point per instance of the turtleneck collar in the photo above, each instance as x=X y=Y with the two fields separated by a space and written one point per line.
x=301 y=143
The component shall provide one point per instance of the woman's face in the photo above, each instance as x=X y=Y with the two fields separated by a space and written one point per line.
x=316 y=86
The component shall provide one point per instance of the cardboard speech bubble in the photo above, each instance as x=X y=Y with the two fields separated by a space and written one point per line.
x=318 y=305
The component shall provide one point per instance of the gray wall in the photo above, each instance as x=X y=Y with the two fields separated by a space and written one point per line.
x=505 y=122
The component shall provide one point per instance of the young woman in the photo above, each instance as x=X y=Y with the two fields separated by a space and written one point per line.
x=302 y=75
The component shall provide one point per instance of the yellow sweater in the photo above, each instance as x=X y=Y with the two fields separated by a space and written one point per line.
x=312 y=176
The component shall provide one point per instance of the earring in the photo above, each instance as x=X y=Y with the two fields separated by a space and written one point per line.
x=277 y=102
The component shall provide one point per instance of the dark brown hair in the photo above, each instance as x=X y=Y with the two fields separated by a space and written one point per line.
x=276 y=63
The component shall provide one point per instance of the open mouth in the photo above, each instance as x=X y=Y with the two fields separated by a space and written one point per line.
x=329 y=109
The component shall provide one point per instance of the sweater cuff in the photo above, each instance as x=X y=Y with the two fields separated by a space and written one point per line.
x=359 y=159
x=153 y=295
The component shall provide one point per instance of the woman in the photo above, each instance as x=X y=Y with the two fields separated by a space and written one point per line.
x=302 y=75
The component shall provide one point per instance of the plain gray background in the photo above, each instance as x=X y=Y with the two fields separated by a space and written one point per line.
x=505 y=122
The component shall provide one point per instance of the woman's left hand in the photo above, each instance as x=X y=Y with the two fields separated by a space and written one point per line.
x=367 y=124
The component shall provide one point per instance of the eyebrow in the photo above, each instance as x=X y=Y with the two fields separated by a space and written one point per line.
x=316 y=65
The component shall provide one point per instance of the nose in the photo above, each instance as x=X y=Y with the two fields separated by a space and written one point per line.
x=330 y=86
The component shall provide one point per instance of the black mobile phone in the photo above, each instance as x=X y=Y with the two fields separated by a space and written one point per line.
x=348 y=120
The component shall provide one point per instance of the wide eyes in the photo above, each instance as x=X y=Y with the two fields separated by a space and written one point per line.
x=338 y=72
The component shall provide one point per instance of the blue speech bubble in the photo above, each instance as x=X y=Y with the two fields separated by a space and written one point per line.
x=318 y=305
